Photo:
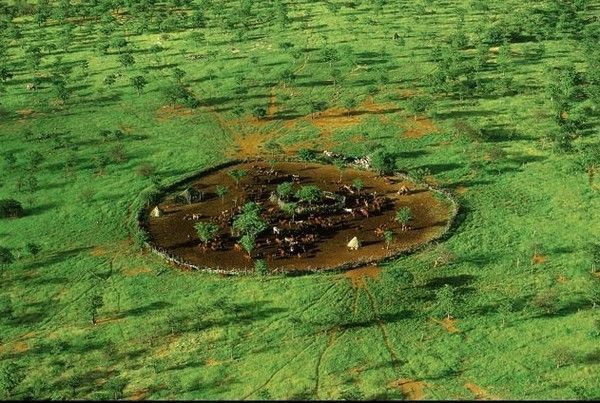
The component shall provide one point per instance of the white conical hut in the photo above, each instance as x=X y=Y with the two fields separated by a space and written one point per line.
x=156 y=212
x=354 y=244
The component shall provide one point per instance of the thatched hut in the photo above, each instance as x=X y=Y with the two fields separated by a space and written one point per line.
x=156 y=212
x=354 y=244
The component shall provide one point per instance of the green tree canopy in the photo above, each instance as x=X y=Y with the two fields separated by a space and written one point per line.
x=309 y=194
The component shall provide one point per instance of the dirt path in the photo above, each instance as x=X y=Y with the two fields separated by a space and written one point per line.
x=334 y=335
x=359 y=276
x=383 y=330
x=277 y=371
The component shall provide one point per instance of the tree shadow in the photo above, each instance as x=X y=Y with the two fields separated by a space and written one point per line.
x=142 y=310
x=57 y=257
x=40 y=208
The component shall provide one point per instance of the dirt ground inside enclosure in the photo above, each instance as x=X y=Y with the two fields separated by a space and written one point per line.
x=174 y=231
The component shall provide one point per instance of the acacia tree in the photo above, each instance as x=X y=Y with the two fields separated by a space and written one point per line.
x=358 y=184
x=237 y=175
x=126 y=60
x=388 y=237
x=445 y=301
x=10 y=208
x=589 y=161
x=349 y=104
x=221 y=191
x=285 y=190
x=309 y=194
x=139 y=82
x=6 y=256
x=340 y=165
x=274 y=148
x=249 y=222
x=93 y=303
x=290 y=210
x=383 y=161
x=32 y=248
x=207 y=231
x=403 y=216
x=260 y=267
x=248 y=242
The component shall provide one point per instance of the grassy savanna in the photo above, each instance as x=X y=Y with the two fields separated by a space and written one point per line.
x=498 y=103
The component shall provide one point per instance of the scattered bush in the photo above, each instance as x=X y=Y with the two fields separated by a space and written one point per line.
x=6 y=256
x=179 y=94
x=11 y=208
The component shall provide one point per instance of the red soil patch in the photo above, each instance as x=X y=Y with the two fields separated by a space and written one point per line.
x=174 y=232
x=462 y=190
x=20 y=347
x=251 y=133
x=126 y=129
x=24 y=113
x=359 y=276
x=357 y=138
x=448 y=323
x=337 y=118
x=432 y=180
x=407 y=93
x=136 y=271
x=113 y=248
x=411 y=389
x=16 y=347
x=419 y=127
x=169 y=112
x=480 y=394
x=139 y=394
x=211 y=362
x=98 y=251
x=538 y=259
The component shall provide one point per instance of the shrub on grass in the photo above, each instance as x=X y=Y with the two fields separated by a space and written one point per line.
x=546 y=301
x=11 y=208
x=6 y=256
x=32 y=248
x=179 y=94
x=383 y=162
x=260 y=267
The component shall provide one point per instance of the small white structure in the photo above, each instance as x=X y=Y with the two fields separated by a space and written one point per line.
x=156 y=212
x=354 y=244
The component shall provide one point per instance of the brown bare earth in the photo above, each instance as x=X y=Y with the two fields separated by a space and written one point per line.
x=169 y=112
x=359 y=276
x=411 y=389
x=538 y=259
x=174 y=232
x=448 y=323
x=136 y=271
x=480 y=394
x=419 y=127
x=251 y=133
x=139 y=394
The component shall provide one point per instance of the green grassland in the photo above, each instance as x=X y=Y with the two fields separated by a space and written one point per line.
x=518 y=275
